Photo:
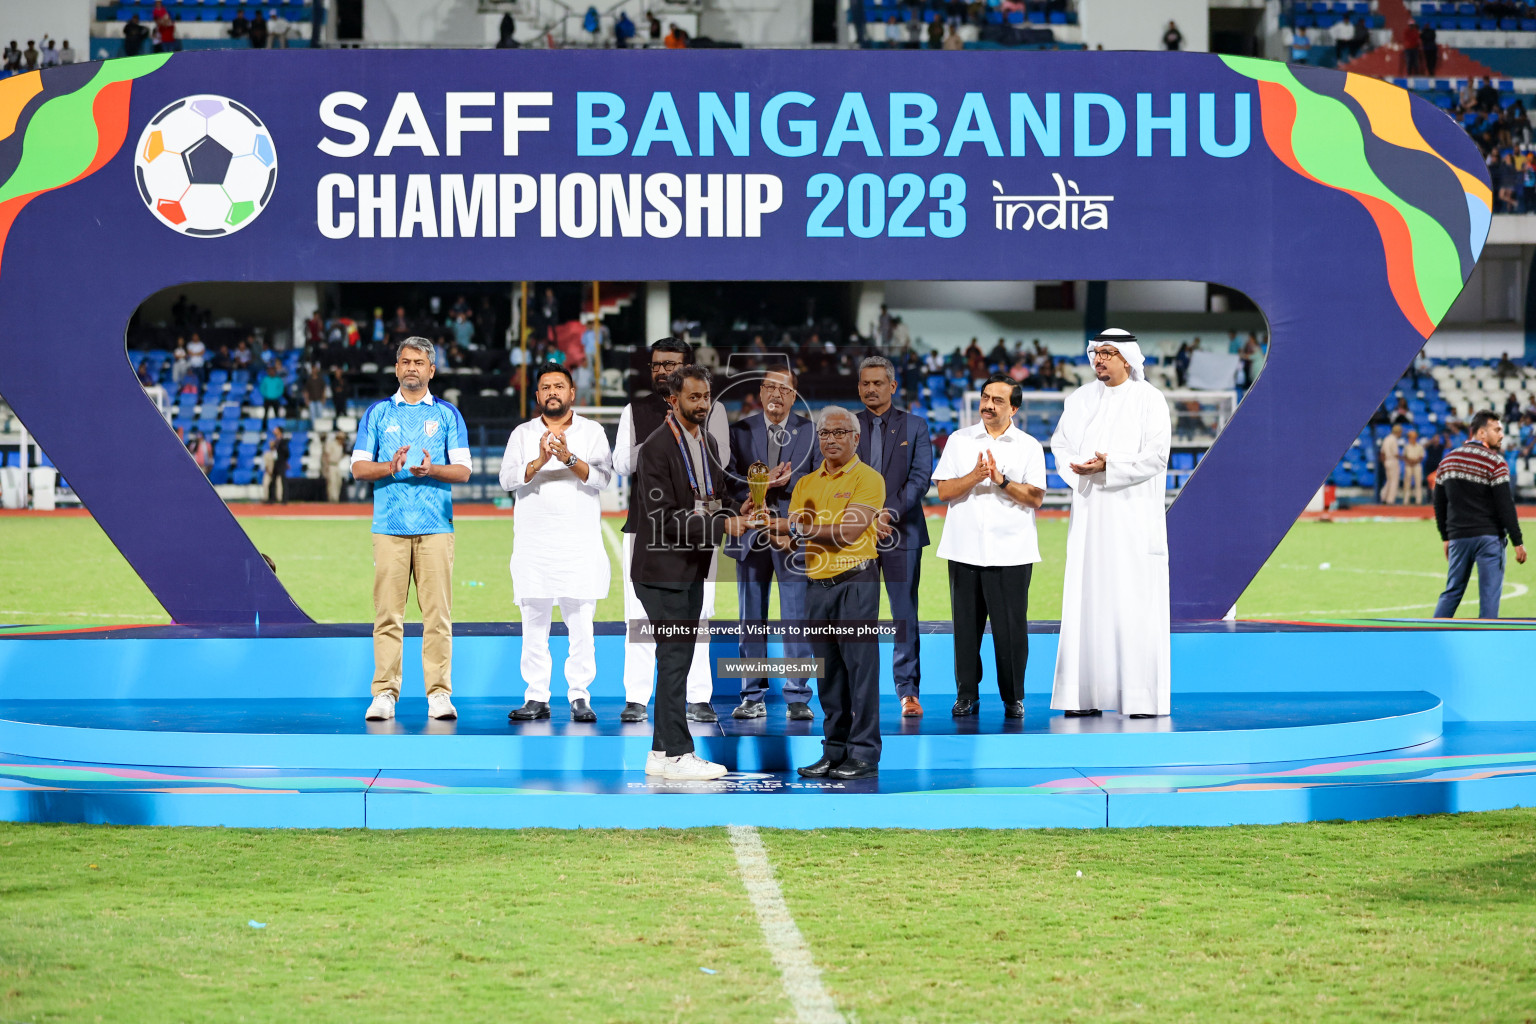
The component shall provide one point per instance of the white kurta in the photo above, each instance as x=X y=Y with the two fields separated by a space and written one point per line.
x=1114 y=646
x=557 y=543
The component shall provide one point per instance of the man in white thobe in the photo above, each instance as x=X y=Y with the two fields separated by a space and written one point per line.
x=636 y=423
x=1111 y=448
x=556 y=467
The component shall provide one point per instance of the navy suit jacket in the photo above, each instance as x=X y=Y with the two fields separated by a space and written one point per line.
x=908 y=469
x=749 y=444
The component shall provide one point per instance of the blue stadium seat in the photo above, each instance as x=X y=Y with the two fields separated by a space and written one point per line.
x=1013 y=18
x=1054 y=482
x=1183 y=461
x=243 y=475
x=1050 y=461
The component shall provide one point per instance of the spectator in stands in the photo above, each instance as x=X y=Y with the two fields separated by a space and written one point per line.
x=66 y=53
x=333 y=465
x=952 y=41
x=676 y=39
x=935 y=33
x=178 y=362
x=1391 y=453
x=1342 y=33
x=50 y=53
x=1360 y=39
x=271 y=388
x=196 y=353
x=242 y=355
x=240 y=28
x=857 y=19
x=1487 y=96
x=1505 y=368
x=258 y=31
x=591 y=24
x=275 y=463
x=30 y=55
x=463 y=330
x=1512 y=408
x=314 y=392
x=1413 y=56
x=1173 y=39
x=1413 y=469
x=653 y=27
x=624 y=30
x=1430 y=49
x=222 y=360
x=200 y=450
x=277 y=28
x=1475 y=512
x=1434 y=450
x=507 y=33
x=1401 y=414
x=145 y=377
x=893 y=33
x=340 y=390
x=1301 y=46
x=12 y=57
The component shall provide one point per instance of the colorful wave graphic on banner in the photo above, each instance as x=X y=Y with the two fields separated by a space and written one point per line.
x=1321 y=137
x=59 y=127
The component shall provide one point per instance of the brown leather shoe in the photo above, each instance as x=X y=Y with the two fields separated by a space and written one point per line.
x=910 y=708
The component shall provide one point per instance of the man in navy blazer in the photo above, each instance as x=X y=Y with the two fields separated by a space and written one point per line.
x=896 y=443
x=785 y=442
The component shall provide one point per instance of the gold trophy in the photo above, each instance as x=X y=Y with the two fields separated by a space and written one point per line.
x=757 y=484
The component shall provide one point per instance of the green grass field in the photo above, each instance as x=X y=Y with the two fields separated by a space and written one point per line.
x=1429 y=919
x=64 y=571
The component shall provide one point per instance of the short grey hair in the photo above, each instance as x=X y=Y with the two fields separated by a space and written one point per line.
x=420 y=345
x=878 y=363
x=832 y=412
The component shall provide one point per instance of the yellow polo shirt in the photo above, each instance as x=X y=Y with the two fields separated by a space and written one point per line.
x=826 y=495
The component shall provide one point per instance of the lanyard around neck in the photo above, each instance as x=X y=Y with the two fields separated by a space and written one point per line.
x=709 y=484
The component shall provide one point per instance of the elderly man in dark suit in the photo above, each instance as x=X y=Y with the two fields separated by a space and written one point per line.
x=896 y=444
x=785 y=442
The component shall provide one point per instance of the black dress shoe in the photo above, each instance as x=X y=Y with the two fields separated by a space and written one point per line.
x=800 y=711
x=965 y=708
x=853 y=768
x=750 y=709
x=1143 y=716
x=1013 y=709
x=529 y=711
x=581 y=711
x=820 y=769
x=1084 y=714
x=633 y=712
x=700 y=711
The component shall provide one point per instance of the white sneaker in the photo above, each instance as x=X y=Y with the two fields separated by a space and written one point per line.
x=690 y=767
x=439 y=706
x=656 y=763
x=382 y=709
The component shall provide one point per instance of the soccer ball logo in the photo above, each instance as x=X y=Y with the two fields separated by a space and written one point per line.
x=205 y=166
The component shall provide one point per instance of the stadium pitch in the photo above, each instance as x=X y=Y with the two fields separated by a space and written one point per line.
x=63 y=571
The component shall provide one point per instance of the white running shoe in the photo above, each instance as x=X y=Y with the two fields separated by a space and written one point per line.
x=382 y=709
x=690 y=767
x=439 y=706
x=656 y=763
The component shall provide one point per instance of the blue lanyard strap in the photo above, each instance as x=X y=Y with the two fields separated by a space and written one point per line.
x=709 y=484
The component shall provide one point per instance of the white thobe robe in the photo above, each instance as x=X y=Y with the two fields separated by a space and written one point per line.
x=1114 y=646
x=557 y=541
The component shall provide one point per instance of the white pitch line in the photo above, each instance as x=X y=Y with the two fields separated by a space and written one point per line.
x=615 y=541
x=791 y=955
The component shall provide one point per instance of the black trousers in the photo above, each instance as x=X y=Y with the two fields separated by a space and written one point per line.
x=1000 y=593
x=673 y=657
x=850 y=684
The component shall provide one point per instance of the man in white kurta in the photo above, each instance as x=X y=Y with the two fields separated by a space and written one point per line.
x=667 y=356
x=1111 y=448
x=556 y=467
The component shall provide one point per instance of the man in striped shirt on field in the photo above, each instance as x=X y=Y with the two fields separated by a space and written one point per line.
x=1475 y=511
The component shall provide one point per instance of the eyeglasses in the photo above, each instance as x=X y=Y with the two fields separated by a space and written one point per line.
x=834 y=435
x=669 y=364
x=778 y=389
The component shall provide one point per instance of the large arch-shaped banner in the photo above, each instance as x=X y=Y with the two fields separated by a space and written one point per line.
x=1351 y=212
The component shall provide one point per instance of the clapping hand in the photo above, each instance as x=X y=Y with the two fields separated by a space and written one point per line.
x=1094 y=465
x=397 y=463
x=425 y=468
x=780 y=475
x=993 y=473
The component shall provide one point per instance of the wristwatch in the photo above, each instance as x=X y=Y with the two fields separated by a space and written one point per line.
x=570 y=461
x=798 y=530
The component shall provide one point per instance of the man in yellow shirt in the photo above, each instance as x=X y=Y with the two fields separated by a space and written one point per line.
x=831 y=525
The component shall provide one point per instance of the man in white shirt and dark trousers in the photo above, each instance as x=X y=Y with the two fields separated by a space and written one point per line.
x=992 y=476
x=556 y=467
x=639 y=420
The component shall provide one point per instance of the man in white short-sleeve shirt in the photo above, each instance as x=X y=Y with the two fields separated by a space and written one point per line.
x=992 y=476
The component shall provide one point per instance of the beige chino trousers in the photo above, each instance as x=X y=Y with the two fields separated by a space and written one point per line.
x=428 y=559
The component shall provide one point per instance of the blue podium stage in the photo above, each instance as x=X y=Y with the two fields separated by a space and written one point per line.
x=240 y=727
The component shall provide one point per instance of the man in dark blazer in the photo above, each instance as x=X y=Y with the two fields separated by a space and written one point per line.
x=785 y=442
x=683 y=514
x=896 y=444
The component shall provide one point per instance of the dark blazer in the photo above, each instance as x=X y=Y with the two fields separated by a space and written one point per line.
x=673 y=545
x=908 y=469
x=749 y=444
